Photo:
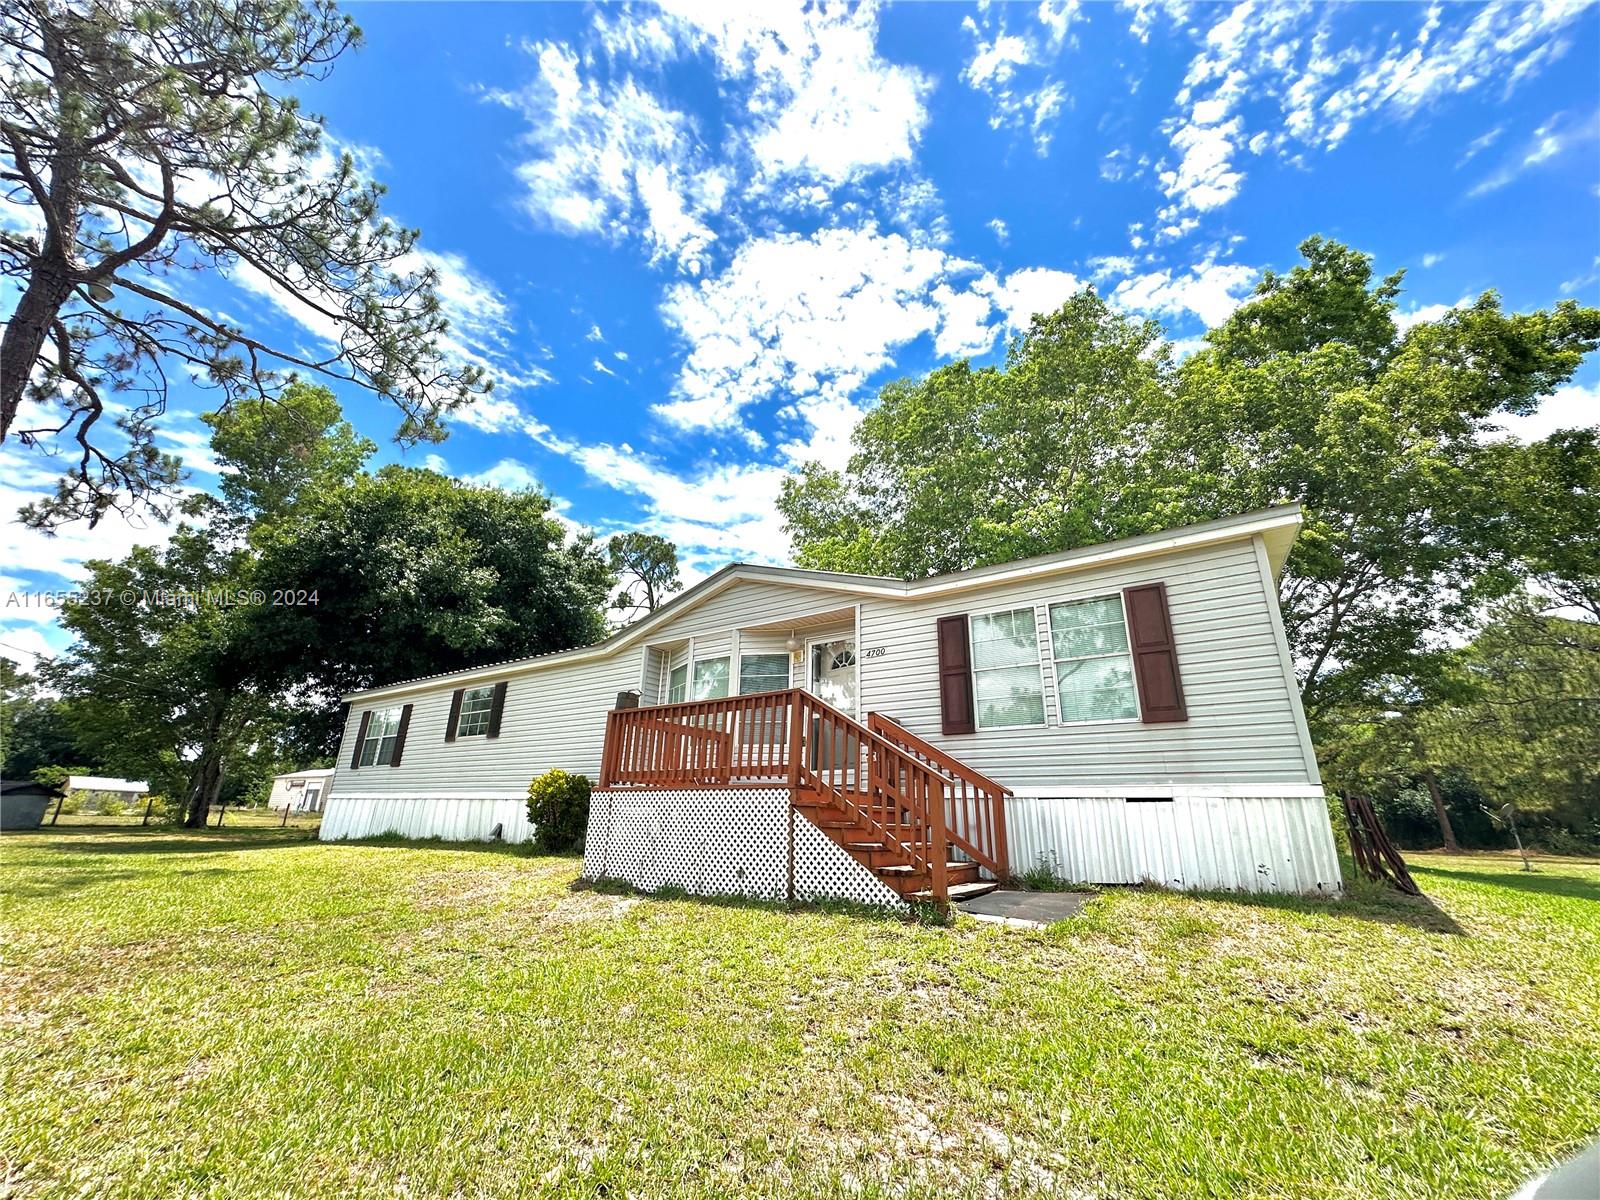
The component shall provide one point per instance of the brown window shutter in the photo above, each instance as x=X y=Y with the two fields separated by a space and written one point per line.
x=361 y=736
x=455 y=714
x=400 y=735
x=496 y=708
x=955 y=676
x=1155 y=657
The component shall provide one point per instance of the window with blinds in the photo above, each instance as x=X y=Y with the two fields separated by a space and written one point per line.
x=1094 y=669
x=1007 y=684
x=763 y=673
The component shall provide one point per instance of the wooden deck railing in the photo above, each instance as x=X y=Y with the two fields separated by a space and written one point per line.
x=975 y=805
x=913 y=795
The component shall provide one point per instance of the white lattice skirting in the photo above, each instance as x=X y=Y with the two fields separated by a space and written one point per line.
x=453 y=818
x=721 y=843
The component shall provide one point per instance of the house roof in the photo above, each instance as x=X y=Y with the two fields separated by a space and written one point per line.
x=1277 y=527
x=308 y=773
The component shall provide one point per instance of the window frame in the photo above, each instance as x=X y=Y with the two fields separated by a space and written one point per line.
x=487 y=712
x=683 y=696
x=1133 y=674
x=782 y=656
x=694 y=670
x=376 y=739
x=974 y=670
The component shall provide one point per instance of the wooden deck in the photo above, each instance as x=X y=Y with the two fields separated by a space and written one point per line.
x=915 y=816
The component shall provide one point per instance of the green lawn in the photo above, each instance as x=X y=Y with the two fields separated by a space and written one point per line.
x=248 y=1013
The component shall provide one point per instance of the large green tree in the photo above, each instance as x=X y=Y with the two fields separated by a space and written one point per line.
x=1311 y=393
x=227 y=648
x=415 y=573
x=1415 y=512
x=967 y=466
x=151 y=140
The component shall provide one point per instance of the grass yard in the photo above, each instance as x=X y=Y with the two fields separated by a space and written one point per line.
x=248 y=1013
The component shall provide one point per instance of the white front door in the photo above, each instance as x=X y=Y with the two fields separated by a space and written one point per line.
x=832 y=673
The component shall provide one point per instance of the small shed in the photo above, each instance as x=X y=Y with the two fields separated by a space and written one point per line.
x=300 y=791
x=23 y=803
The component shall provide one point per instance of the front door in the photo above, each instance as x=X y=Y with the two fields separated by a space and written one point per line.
x=833 y=674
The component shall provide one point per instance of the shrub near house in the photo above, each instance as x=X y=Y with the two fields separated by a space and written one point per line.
x=558 y=809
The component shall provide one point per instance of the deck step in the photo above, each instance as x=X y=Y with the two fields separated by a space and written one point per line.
x=961 y=891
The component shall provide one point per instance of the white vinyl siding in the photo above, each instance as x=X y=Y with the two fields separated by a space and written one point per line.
x=763 y=673
x=1243 y=723
x=710 y=679
x=1242 y=728
x=1094 y=669
x=382 y=731
x=475 y=705
x=1007 y=687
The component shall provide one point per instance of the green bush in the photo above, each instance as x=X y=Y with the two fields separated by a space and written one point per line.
x=558 y=806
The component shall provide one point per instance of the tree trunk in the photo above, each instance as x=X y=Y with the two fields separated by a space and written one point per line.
x=1450 y=844
x=148 y=808
x=205 y=781
x=25 y=334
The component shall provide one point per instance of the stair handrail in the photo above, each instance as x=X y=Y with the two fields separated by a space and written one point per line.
x=996 y=857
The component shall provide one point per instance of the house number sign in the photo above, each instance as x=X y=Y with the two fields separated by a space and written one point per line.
x=874 y=652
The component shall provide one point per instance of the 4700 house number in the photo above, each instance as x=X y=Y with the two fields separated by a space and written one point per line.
x=874 y=652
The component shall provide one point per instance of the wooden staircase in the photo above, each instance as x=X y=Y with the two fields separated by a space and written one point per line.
x=920 y=820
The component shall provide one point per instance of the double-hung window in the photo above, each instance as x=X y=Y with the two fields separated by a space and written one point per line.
x=710 y=679
x=476 y=704
x=1007 y=685
x=383 y=729
x=1094 y=670
x=678 y=684
x=763 y=673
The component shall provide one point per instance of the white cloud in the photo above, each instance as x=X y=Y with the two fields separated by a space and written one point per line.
x=1210 y=291
x=811 y=106
x=612 y=160
x=1423 y=314
x=1571 y=406
x=808 y=319
x=1034 y=290
x=1001 y=231
x=1431 y=260
x=508 y=475
x=1255 y=56
x=728 y=512
x=436 y=462
x=1548 y=141
x=594 y=334
x=1013 y=68
x=826 y=105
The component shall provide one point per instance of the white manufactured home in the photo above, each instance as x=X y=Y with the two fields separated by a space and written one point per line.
x=1122 y=713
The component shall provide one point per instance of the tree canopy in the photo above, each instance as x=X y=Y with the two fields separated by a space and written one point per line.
x=228 y=647
x=1418 y=512
x=153 y=141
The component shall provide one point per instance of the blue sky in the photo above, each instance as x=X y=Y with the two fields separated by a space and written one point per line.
x=690 y=244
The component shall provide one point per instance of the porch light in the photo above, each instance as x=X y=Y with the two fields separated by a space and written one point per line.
x=792 y=644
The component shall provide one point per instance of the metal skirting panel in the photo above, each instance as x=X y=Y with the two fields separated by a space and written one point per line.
x=1203 y=842
x=715 y=842
x=451 y=818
